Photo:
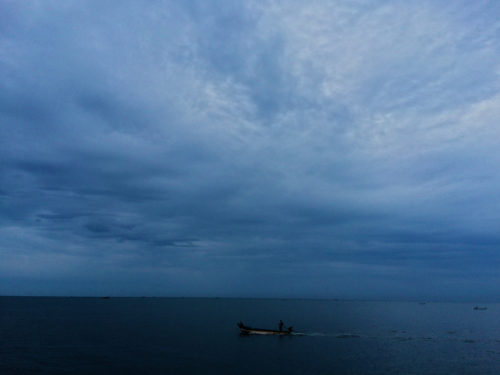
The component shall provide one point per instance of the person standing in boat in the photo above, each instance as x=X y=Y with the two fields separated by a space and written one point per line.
x=281 y=325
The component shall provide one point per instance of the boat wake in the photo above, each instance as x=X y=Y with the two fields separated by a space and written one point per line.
x=324 y=334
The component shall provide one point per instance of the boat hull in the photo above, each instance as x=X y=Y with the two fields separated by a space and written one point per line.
x=258 y=331
x=253 y=331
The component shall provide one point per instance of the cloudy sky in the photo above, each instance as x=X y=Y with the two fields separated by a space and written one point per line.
x=345 y=149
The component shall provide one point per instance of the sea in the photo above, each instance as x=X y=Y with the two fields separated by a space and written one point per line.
x=41 y=335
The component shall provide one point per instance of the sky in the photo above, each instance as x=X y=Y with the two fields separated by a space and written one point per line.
x=317 y=149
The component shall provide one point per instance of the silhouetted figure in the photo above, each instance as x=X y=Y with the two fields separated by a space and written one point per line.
x=290 y=329
x=281 y=325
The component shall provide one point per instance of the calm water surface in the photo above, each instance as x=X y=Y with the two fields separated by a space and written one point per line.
x=199 y=336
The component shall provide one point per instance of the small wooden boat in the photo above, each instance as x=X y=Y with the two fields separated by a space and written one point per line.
x=258 y=331
x=480 y=308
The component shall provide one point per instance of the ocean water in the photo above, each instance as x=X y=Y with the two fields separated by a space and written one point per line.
x=199 y=336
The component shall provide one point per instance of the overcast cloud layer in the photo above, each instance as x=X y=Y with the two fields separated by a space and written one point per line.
x=344 y=149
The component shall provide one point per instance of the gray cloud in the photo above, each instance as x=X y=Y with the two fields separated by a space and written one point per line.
x=252 y=148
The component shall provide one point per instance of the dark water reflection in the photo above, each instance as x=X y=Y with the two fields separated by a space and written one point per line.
x=199 y=336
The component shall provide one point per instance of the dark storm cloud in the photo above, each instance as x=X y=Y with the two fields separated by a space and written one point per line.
x=249 y=149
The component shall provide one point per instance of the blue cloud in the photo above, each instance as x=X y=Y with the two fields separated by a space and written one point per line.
x=249 y=148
